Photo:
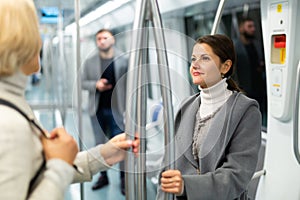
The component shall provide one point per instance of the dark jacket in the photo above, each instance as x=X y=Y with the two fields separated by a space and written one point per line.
x=92 y=71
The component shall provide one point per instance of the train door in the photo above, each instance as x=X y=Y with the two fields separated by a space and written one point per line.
x=280 y=22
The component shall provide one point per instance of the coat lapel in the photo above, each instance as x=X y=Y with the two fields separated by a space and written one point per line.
x=95 y=68
x=217 y=127
x=185 y=122
x=218 y=137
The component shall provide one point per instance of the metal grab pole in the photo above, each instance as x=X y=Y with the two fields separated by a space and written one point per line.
x=166 y=93
x=141 y=117
x=218 y=17
x=146 y=10
x=62 y=69
x=131 y=97
x=79 y=96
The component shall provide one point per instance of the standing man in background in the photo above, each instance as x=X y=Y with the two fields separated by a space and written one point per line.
x=104 y=77
x=250 y=68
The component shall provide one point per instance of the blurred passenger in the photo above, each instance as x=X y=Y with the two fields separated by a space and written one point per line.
x=250 y=68
x=104 y=77
x=217 y=131
x=35 y=77
x=36 y=164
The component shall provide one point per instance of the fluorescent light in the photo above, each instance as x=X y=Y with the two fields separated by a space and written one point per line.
x=99 y=12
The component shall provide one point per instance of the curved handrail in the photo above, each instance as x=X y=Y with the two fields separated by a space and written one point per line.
x=217 y=17
x=259 y=174
x=296 y=116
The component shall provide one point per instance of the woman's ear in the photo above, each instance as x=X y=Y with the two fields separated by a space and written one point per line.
x=226 y=66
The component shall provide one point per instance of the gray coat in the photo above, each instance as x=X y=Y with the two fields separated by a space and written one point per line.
x=229 y=154
x=92 y=71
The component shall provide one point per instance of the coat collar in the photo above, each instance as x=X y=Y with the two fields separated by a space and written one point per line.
x=12 y=89
x=14 y=84
x=185 y=122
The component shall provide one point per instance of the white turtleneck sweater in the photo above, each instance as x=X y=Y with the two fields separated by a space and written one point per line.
x=213 y=97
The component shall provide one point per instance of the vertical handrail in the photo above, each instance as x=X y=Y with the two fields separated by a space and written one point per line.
x=218 y=17
x=79 y=95
x=146 y=10
x=141 y=117
x=165 y=88
x=59 y=70
x=131 y=98
x=62 y=67
x=296 y=116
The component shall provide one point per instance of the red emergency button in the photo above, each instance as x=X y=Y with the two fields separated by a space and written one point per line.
x=279 y=41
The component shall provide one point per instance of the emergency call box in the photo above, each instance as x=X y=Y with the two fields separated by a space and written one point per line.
x=279 y=67
x=278 y=49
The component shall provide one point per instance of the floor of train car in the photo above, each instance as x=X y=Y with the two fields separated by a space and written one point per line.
x=39 y=93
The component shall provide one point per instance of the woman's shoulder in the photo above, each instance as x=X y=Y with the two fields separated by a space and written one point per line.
x=190 y=98
x=12 y=120
x=242 y=104
x=242 y=99
x=193 y=100
x=15 y=130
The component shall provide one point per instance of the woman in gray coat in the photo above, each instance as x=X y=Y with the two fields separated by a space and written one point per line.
x=218 y=131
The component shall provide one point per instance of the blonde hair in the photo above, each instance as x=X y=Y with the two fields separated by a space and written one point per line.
x=19 y=34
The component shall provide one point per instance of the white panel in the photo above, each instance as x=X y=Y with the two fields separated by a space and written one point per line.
x=282 y=169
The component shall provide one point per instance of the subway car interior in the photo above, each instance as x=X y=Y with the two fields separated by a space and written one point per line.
x=68 y=31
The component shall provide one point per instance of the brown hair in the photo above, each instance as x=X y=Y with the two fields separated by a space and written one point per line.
x=104 y=30
x=244 y=20
x=223 y=47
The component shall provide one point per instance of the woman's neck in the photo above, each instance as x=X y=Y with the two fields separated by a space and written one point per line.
x=213 y=97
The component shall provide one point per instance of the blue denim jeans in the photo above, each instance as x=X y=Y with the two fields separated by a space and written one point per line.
x=104 y=125
x=107 y=123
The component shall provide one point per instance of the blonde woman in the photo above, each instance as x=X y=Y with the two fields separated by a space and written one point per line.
x=36 y=164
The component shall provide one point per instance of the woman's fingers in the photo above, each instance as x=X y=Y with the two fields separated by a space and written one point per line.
x=171 y=181
x=124 y=144
x=171 y=173
x=121 y=142
x=60 y=145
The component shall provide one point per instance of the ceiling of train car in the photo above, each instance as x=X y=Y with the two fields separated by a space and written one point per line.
x=68 y=4
x=67 y=7
x=48 y=10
